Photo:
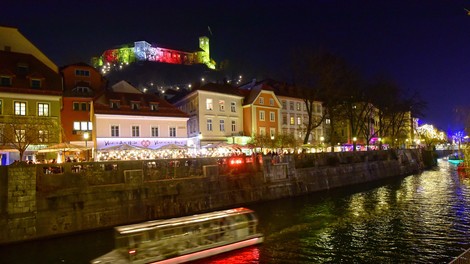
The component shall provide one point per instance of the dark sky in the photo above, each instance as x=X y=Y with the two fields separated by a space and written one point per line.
x=424 y=45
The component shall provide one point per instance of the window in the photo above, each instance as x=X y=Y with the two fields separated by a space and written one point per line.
x=233 y=107
x=209 y=124
x=221 y=105
x=172 y=131
x=154 y=107
x=43 y=136
x=20 y=135
x=76 y=106
x=284 y=104
x=261 y=100
x=20 y=108
x=327 y=121
x=284 y=120
x=23 y=69
x=82 y=126
x=43 y=109
x=5 y=81
x=291 y=105
x=35 y=83
x=299 y=120
x=81 y=89
x=298 y=106
x=154 y=131
x=292 y=120
x=84 y=106
x=135 y=131
x=261 y=115
x=115 y=131
x=272 y=116
x=271 y=101
x=135 y=106
x=234 y=126
x=82 y=73
x=114 y=104
x=272 y=132
x=209 y=105
x=262 y=131
x=222 y=125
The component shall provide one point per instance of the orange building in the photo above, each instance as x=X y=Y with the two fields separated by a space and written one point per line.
x=81 y=83
x=261 y=110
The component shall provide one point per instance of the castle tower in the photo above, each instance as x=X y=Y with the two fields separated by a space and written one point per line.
x=204 y=45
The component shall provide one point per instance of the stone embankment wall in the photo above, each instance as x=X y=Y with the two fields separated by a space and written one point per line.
x=37 y=201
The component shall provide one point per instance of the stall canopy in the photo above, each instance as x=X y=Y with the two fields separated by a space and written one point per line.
x=121 y=147
x=63 y=147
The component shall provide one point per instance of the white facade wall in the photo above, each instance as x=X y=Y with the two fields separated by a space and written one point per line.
x=104 y=137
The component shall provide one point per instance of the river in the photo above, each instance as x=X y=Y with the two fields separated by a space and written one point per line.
x=423 y=218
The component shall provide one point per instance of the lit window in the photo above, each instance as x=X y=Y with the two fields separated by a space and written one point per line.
x=20 y=135
x=327 y=121
x=299 y=120
x=135 y=131
x=43 y=136
x=115 y=131
x=154 y=131
x=209 y=105
x=261 y=115
x=20 y=108
x=292 y=120
x=172 y=131
x=209 y=124
x=222 y=125
x=43 y=109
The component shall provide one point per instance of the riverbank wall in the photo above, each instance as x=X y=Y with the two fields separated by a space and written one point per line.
x=41 y=201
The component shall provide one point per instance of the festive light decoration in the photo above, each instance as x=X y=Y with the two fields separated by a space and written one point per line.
x=144 y=51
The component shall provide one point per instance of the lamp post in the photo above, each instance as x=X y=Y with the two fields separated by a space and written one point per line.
x=380 y=143
x=354 y=143
x=199 y=140
x=86 y=136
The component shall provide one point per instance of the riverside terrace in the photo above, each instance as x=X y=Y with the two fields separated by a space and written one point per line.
x=38 y=201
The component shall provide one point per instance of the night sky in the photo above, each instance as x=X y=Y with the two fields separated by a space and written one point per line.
x=424 y=45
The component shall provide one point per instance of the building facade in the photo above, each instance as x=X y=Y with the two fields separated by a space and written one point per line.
x=123 y=115
x=30 y=99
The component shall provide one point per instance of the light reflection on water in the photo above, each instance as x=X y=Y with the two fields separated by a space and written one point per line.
x=418 y=219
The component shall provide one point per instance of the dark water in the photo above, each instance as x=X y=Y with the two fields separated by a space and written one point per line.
x=422 y=218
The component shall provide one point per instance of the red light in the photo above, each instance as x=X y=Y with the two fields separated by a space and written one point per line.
x=132 y=252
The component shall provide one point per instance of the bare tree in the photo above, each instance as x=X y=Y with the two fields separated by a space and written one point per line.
x=19 y=132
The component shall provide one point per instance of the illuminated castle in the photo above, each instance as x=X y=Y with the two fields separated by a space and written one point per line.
x=144 y=51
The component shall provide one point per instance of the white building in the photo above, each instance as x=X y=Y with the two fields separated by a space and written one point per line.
x=125 y=115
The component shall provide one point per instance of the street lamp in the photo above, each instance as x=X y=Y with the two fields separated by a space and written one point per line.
x=354 y=143
x=86 y=136
x=321 y=140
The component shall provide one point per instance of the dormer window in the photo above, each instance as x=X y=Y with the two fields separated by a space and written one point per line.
x=154 y=107
x=82 y=73
x=135 y=106
x=23 y=69
x=114 y=104
x=261 y=100
x=35 y=83
x=5 y=81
